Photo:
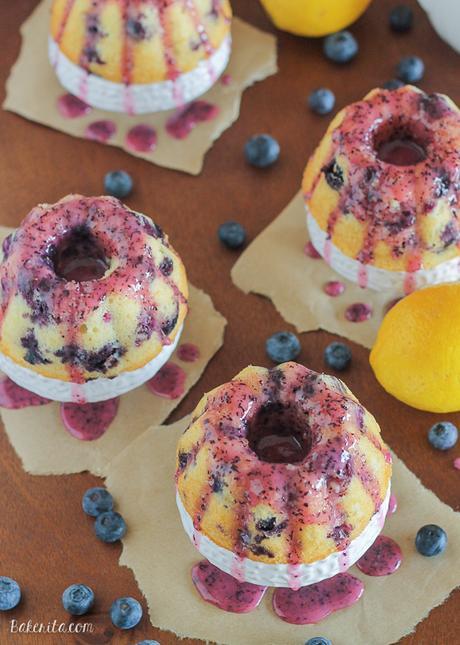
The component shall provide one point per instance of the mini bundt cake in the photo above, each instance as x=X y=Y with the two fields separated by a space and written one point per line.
x=139 y=56
x=93 y=299
x=282 y=476
x=382 y=191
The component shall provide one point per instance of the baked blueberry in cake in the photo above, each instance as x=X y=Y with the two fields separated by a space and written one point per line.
x=282 y=476
x=139 y=56
x=382 y=190
x=93 y=299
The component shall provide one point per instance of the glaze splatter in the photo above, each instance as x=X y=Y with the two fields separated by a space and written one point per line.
x=71 y=107
x=89 y=421
x=15 y=397
x=224 y=591
x=168 y=382
x=309 y=605
x=181 y=124
x=141 y=138
x=188 y=353
x=101 y=131
x=382 y=559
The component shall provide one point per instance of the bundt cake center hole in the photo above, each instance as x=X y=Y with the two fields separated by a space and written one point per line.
x=80 y=257
x=400 y=146
x=280 y=434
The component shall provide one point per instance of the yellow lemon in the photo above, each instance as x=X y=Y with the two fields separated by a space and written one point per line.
x=314 y=17
x=416 y=356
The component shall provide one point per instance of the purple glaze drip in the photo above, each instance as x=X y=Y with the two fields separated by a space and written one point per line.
x=382 y=559
x=188 y=353
x=101 y=131
x=311 y=604
x=334 y=288
x=358 y=312
x=226 y=80
x=183 y=122
x=224 y=591
x=169 y=382
x=392 y=505
x=15 y=397
x=71 y=107
x=141 y=138
x=311 y=252
x=89 y=421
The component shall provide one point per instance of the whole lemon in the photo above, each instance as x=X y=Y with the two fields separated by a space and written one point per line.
x=416 y=356
x=314 y=17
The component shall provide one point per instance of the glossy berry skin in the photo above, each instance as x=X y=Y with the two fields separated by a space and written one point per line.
x=110 y=526
x=321 y=101
x=393 y=84
x=282 y=347
x=401 y=18
x=337 y=356
x=443 y=435
x=410 y=69
x=340 y=47
x=262 y=150
x=318 y=640
x=10 y=593
x=232 y=235
x=97 y=500
x=78 y=599
x=148 y=643
x=430 y=540
x=118 y=183
x=126 y=613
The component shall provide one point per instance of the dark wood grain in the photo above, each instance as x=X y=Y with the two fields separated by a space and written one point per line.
x=46 y=542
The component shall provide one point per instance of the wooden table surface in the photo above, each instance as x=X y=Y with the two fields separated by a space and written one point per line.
x=45 y=540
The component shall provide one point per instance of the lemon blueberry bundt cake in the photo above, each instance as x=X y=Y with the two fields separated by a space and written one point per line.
x=382 y=190
x=93 y=299
x=282 y=476
x=139 y=56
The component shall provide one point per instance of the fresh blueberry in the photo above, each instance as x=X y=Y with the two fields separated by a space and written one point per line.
x=126 y=613
x=97 y=500
x=78 y=599
x=430 y=540
x=321 y=101
x=410 y=69
x=401 y=18
x=443 y=435
x=118 y=184
x=340 y=47
x=393 y=84
x=262 y=150
x=10 y=593
x=337 y=356
x=148 y=643
x=318 y=640
x=282 y=346
x=110 y=526
x=232 y=235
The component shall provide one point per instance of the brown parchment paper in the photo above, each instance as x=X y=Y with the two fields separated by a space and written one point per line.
x=32 y=90
x=161 y=556
x=46 y=448
x=274 y=265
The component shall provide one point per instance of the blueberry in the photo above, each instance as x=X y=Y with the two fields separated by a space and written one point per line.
x=126 y=613
x=262 y=150
x=318 y=640
x=321 y=101
x=393 y=84
x=410 y=69
x=96 y=501
x=340 y=47
x=401 y=18
x=78 y=599
x=337 y=356
x=110 y=526
x=10 y=593
x=118 y=184
x=148 y=642
x=443 y=435
x=430 y=540
x=282 y=346
x=232 y=235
